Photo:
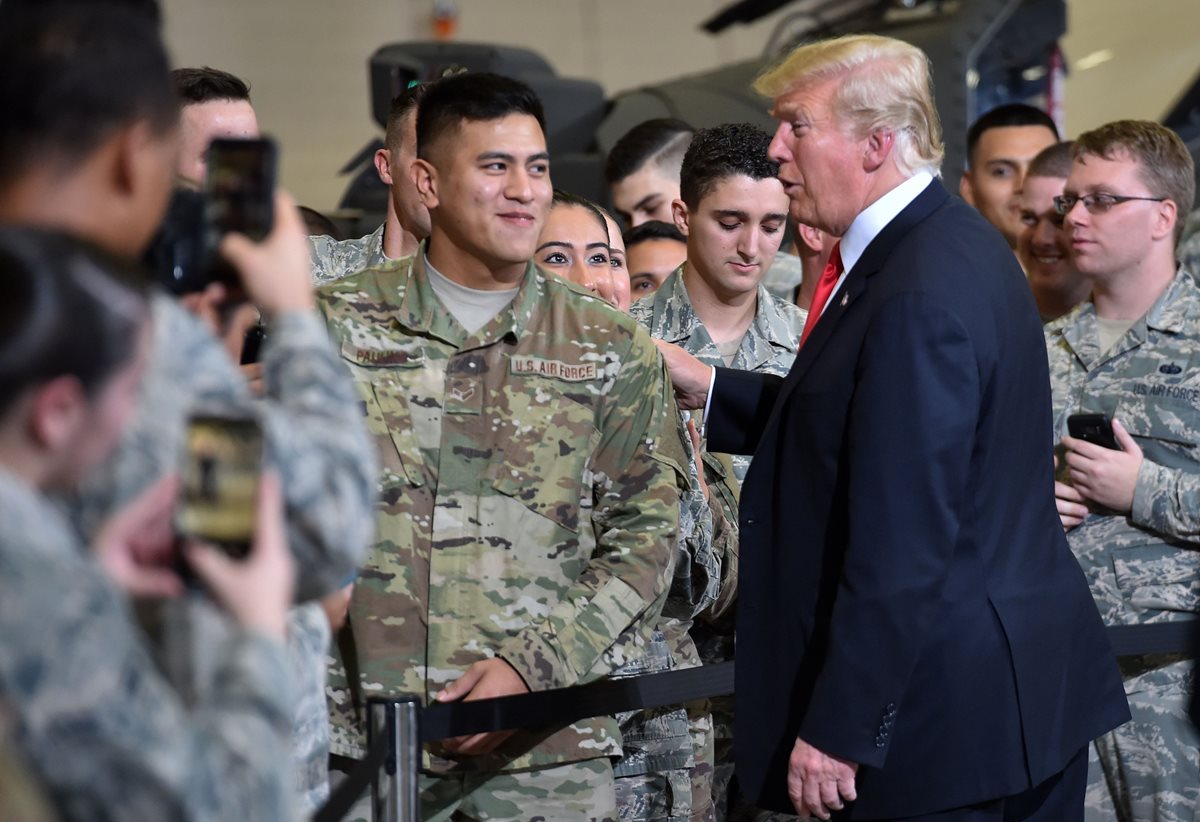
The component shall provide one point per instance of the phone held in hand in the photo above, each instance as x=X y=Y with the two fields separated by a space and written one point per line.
x=1094 y=428
x=221 y=467
x=240 y=187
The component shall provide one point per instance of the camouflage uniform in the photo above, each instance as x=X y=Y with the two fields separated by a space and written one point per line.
x=308 y=647
x=104 y=732
x=1189 y=245
x=1143 y=567
x=334 y=259
x=529 y=504
x=22 y=798
x=784 y=276
x=768 y=347
x=314 y=439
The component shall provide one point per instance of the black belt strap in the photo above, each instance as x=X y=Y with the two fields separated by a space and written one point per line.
x=563 y=706
x=537 y=710
x=1177 y=637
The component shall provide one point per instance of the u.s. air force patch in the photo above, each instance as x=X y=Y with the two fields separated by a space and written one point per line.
x=554 y=369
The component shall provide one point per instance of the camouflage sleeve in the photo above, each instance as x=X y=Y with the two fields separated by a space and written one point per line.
x=319 y=445
x=314 y=435
x=1167 y=500
x=725 y=545
x=697 y=579
x=111 y=739
x=321 y=249
x=637 y=476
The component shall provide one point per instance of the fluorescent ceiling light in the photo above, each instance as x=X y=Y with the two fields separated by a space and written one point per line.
x=1096 y=58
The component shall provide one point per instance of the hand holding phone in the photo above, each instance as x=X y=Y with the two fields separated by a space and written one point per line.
x=222 y=463
x=258 y=590
x=1094 y=428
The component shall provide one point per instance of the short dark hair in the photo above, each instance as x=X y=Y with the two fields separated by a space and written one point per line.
x=207 y=84
x=403 y=104
x=733 y=149
x=318 y=224
x=67 y=308
x=566 y=198
x=1165 y=164
x=1052 y=161
x=652 y=230
x=72 y=75
x=472 y=96
x=1007 y=116
x=662 y=141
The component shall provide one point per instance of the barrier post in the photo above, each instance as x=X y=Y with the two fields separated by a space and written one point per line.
x=395 y=791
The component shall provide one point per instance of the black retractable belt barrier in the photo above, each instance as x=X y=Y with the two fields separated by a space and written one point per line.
x=394 y=748
x=1155 y=638
x=534 y=710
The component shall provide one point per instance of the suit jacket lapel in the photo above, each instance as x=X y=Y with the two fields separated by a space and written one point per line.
x=871 y=261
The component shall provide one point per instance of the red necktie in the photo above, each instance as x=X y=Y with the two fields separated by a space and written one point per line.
x=825 y=285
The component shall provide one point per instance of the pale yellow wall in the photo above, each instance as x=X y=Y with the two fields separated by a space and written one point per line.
x=306 y=59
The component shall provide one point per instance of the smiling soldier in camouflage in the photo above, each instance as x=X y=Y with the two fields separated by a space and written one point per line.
x=531 y=470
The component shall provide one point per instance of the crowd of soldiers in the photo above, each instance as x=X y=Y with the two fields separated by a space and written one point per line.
x=478 y=480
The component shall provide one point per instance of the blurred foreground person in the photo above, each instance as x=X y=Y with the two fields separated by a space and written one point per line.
x=105 y=733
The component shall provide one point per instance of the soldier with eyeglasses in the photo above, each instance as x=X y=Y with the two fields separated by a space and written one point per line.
x=1132 y=514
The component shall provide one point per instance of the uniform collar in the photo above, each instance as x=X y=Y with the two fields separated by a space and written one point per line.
x=1170 y=314
x=674 y=319
x=420 y=309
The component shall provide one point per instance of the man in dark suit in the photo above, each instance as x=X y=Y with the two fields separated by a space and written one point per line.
x=915 y=640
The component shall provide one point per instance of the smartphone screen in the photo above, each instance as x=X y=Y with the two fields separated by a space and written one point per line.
x=222 y=463
x=241 y=186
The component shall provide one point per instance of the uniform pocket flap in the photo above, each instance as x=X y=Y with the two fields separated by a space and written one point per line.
x=1159 y=576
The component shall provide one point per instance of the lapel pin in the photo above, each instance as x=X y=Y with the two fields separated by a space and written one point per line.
x=845 y=299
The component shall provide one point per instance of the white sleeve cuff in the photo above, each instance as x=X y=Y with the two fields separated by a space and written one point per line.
x=712 y=380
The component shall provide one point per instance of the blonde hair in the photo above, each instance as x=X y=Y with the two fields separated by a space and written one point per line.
x=885 y=84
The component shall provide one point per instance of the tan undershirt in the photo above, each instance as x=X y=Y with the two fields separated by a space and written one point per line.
x=728 y=350
x=1110 y=331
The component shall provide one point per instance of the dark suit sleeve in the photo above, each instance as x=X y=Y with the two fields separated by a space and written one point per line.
x=910 y=437
x=741 y=403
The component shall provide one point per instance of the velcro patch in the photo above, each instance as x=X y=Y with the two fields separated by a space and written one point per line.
x=554 y=369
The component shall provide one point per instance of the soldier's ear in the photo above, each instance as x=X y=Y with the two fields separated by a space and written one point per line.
x=1165 y=219
x=424 y=177
x=679 y=213
x=383 y=165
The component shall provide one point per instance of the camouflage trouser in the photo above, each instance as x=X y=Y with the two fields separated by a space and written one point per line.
x=574 y=792
x=722 y=714
x=666 y=775
x=1148 y=770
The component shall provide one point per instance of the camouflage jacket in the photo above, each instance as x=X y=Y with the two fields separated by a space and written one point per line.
x=308 y=641
x=769 y=346
x=334 y=259
x=529 y=496
x=784 y=276
x=314 y=436
x=1143 y=566
x=105 y=733
x=1189 y=245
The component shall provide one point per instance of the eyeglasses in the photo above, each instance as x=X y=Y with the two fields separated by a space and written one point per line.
x=1095 y=203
